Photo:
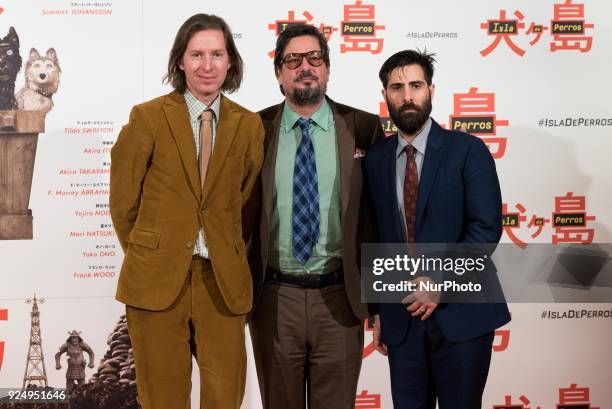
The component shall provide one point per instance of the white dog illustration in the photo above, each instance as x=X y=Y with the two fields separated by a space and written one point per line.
x=42 y=80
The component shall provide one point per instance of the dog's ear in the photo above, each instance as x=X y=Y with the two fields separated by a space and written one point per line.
x=12 y=37
x=34 y=55
x=52 y=55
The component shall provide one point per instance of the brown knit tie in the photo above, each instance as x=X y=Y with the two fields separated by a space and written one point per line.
x=205 y=143
x=411 y=190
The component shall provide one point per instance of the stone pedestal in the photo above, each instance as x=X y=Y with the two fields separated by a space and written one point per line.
x=18 y=137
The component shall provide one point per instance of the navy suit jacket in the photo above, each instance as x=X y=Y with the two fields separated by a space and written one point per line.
x=459 y=201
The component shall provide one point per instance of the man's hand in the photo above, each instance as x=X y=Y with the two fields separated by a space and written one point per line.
x=58 y=366
x=91 y=364
x=380 y=347
x=422 y=303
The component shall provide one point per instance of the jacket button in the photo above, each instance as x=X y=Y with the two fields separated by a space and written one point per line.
x=189 y=245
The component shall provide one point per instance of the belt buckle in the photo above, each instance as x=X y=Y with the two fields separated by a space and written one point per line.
x=312 y=281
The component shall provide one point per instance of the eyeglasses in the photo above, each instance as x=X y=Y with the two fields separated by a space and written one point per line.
x=294 y=60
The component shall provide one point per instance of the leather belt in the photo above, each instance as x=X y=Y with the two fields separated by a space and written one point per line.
x=305 y=280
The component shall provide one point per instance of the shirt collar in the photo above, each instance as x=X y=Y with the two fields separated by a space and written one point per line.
x=419 y=143
x=321 y=117
x=196 y=107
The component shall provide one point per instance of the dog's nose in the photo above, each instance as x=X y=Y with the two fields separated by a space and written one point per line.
x=43 y=76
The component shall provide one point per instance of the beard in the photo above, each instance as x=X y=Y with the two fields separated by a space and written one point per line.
x=311 y=95
x=410 y=122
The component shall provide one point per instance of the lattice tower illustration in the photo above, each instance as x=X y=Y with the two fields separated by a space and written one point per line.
x=35 y=373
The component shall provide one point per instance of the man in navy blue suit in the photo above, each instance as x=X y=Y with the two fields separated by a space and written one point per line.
x=431 y=185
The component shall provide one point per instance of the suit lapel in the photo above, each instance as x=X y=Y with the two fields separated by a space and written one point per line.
x=346 y=150
x=389 y=179
x=431 y=162
x=177 y=116
x=268 y=171
x=227 y=127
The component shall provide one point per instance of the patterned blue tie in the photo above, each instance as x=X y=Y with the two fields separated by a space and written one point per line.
x=306 y=216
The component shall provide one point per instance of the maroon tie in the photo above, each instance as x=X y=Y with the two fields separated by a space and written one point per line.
x=411 y=190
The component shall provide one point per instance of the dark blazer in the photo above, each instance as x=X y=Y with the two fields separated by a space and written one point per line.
x=355 y=130
x=459 y=201
x=157 y=204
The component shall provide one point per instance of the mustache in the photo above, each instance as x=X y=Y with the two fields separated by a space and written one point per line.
x=409 y=105
x=306 y=75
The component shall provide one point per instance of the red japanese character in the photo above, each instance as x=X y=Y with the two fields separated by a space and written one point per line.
x=538 y=30
x=503 y=28
x=509 y=405
x=475 y=112
x=359 y=29
x=327 y=31
x=539 y=223
x=3 y=317
x=513 y=221
x=370 y=348
x=570 y=219
x=388 y=125
x=473 y=102
x=280 y=25
x=367 y=401
x=574 y=395
x=504 y=340
x=568 y=28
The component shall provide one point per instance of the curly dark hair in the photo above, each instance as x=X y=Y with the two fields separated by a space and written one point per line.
x=408 y=57
x=299 y=30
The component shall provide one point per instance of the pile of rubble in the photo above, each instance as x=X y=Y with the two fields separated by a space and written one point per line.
x=117 y=366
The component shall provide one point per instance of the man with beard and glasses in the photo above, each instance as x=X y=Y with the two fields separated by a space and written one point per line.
x=307 y=327
x=431 y=185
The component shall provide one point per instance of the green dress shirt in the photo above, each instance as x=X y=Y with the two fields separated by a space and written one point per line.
x=327 y=254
